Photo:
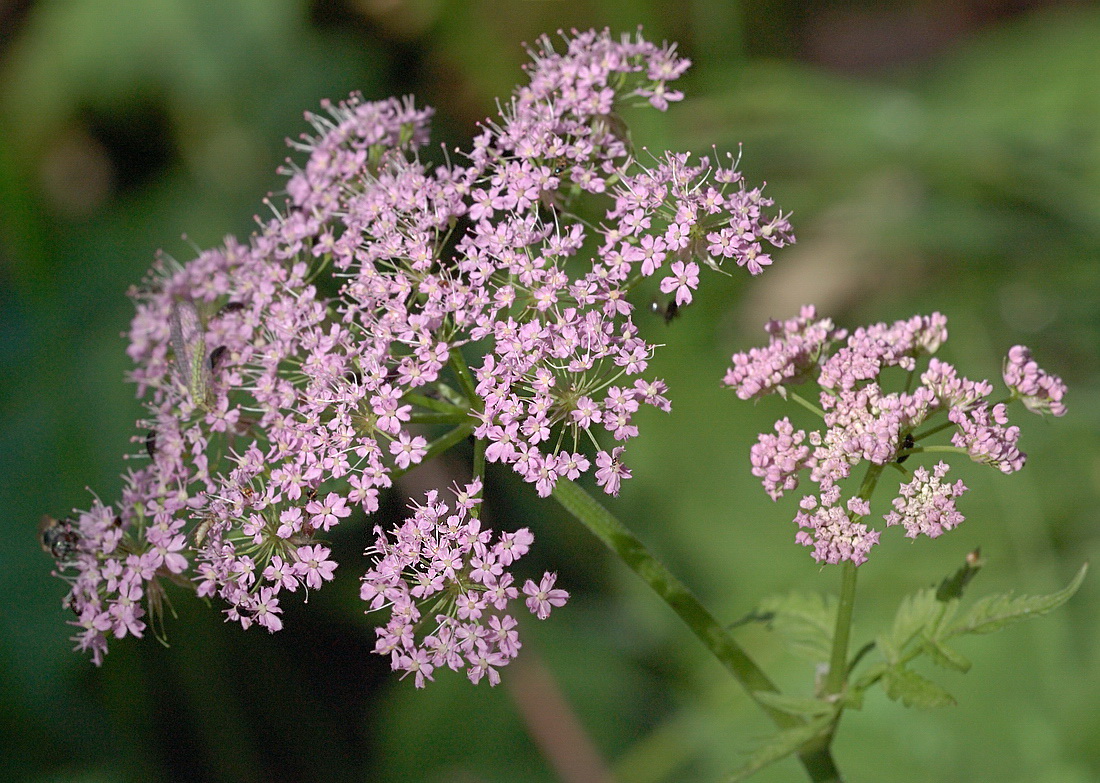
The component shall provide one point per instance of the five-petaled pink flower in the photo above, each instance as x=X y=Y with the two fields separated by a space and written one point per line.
x=684 y=279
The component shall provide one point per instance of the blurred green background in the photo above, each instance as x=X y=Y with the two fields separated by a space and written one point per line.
x=937 y=155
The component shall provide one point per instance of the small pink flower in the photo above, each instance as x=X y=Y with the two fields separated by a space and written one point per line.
x=684 y=279
x=313 y=565
x=329 y=513
x=611 y=470
x=542 y=597
x=408 y=450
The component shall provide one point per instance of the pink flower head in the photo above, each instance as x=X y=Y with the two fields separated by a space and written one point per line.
x=1039 y=391
x=273 y=368
x=982 y=433
x=861 y=422
x=793 y=352
x=832 y=532
x=778 y=459
x=926 y=504
x=442 y=559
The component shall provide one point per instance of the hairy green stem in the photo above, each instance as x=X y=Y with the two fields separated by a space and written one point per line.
x=714 y=636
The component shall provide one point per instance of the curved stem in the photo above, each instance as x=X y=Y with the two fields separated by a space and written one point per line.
x=617 y=537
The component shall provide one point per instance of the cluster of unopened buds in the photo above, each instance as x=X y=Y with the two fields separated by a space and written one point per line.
x=863 y=423
x=289 y=379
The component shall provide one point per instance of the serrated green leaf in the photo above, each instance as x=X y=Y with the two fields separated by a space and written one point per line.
x=779 y=746
x=916 y=613
x=913 y=690
x=804 y=620
x=996 y=611
x=795 y=705
x=891 y=653
x=943 y=656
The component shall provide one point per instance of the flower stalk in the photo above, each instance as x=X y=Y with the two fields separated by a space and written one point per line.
x=714 y=636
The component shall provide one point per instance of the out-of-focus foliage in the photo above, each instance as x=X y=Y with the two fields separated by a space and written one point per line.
x=965 y=178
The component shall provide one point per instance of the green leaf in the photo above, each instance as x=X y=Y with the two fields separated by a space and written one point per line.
x=996 y=611
x=796 y=705
x=954 y=585
x=943 y=656
x=916 y=613
x=913 y=690
x=852 y=698
x=804 y=620
x=779 y=746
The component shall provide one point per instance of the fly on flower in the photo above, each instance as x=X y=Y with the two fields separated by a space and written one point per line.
x=189 y=349
x=58 y=538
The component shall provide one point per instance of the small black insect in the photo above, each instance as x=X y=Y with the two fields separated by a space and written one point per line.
x=906 y=444
x=151 y=443
x=230 y=307
x=216 y=356
x=58 y=538
x=669 y=310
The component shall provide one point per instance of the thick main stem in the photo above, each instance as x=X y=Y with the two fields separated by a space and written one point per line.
x=838 y=661
x=605 y=526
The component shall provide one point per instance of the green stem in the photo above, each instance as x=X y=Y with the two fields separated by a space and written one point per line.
x=618 y=538
x=806 y=404
x=938 y=449
x=838 y=662
x=918 y=436
x=432 y=404
x=465 y=379
x=439 y=418
x=479 y=459
x=622 y=542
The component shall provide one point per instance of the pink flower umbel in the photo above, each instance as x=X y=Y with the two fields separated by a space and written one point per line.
x=288 y=377
x=779 y=458
x=1039 y=391
x=792 y=355
x=927 y=505
x=446 y=583
x=864 y=423
x=834 y=532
